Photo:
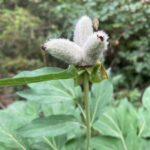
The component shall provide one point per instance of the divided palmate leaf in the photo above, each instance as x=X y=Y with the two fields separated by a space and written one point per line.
x=49 y=126
x=47 y=143
x=109 y=143
x=120 y=123
x=146 y=98
x=11 y=118
x=101 y=96
x=51 y=92
x=40 y=75
x=144 y=116
x=105 y=143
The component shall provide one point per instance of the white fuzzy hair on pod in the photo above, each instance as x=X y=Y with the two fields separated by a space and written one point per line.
x=64 y=50
x=86 y=49
x=94 y=47
x=83 y=29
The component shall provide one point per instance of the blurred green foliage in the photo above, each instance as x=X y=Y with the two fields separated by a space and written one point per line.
x=50 y=115
x=25 y=25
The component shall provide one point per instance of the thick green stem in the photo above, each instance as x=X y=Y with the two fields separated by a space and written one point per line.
x=87 y=108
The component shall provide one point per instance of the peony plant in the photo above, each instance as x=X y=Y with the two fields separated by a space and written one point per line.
x=84 y=55
x=85 y=50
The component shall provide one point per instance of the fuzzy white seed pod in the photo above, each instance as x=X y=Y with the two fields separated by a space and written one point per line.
x=82 y=30
x=94 y=47
x=64 y=50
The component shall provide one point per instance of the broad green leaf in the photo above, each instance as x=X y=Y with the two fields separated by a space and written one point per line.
x=40 y=145
x=146 y=98
x=49 y=126
x=32 y=77
x=76 y=144
x=51 y=92
x=54 y=97
x=144 y=117
x=21 y=113
x=145 y=144
x=47 y=143
x=60 y=141
x=144 y=120
x=114 y=121
x=3 y=147
x=11 y=140
x=101 y=96
x=110 y=143
x=16 y=115
x=120 y=123
x=106 y=143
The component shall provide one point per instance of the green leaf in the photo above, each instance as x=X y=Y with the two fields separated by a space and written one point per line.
x=49 y=126
x=115 y=120
x=40 y=145
x=109 y=143
x=76 y=144
x=120 y=123
x=144 y=117
x=105 y=143
x=144 y=121
x=96 y=74
x=11 y=118
x=145 y=144
x=32 y=77
x=47 y=143
x=101 y=96
x=51 y=92
x=146 y=98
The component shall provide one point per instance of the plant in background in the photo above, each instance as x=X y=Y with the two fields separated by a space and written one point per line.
x=56 y=115
x=17 y=28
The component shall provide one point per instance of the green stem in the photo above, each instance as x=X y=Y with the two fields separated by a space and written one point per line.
x=123 y=143
x=49 y=143
x=87 y=108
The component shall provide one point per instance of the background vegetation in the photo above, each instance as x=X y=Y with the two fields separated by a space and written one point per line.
x=25 y=25
x=50 y=115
